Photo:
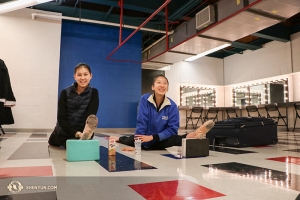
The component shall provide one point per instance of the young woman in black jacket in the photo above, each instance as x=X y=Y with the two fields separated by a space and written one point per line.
x=77 y=108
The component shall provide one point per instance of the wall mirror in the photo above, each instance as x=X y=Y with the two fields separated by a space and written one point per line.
x=241 y=97
x=189 y=96
x=261 y=93
x=278 y=91
x=207 y=98
x=257 y=94
x=197 y=96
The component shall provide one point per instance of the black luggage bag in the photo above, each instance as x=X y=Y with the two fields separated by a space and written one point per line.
x=243 y=132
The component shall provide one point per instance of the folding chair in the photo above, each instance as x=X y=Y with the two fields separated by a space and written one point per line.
x=231 y=113
x=1 y=135
x=211 y=114
x=2 y=129
x=297 y=108
x=252 y=109
x=192 y=117
x=274 y=113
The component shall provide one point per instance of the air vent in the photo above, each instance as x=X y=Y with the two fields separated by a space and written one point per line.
x=205 y=17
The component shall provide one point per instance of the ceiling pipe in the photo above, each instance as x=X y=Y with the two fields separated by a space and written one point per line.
x=121 y=20
x=157 y=41
x=160 y=39
x=209 y=27
x=167 y=26
x=58 y=17
x=134 y=32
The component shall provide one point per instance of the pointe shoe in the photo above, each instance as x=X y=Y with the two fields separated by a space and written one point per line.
x=90 y=126
x=202 y=130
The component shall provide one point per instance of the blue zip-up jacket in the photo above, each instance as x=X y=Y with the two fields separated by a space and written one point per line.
x=165 y=122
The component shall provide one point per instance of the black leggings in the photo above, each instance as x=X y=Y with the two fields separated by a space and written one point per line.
x=59 y=140
x=174 y=140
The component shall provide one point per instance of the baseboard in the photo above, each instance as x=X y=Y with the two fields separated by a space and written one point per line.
x=26 y=130
x=98 y=130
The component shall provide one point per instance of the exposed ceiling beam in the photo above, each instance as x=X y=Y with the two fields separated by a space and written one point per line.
x=260 y=41
x=125 y=6
x=184 y=9
x=220 y=54
x=277 y=32
x=94 y=15
x=231 y=51
x=295 y=28
x=108 y=12
x=245 y=46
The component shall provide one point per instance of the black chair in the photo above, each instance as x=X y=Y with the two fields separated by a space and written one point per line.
x=274 y=113
x=192 y=117
x=1 y=135
x=211 y=114
x=231 y=113
x=252 y=109
x=2 y=129
x=297 y=110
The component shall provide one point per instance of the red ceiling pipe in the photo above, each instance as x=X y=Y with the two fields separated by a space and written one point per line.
x=121 y=3
x=167 y=24
x=198 y=33
x=134 y=32
x=202 y=31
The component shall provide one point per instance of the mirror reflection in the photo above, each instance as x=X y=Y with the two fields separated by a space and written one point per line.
x=264 y=93
x=276 y=92
x=197 y=96
x=257 y=94
x=189 y=96
x=207 y=98
x=241 y=97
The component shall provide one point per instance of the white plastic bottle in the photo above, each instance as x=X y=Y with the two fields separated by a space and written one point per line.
x=138 y=146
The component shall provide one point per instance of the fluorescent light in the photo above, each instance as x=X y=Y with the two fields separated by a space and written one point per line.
x=16 y=5
x=207 y=52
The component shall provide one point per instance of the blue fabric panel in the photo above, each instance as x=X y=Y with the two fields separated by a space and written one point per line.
x=118 y=83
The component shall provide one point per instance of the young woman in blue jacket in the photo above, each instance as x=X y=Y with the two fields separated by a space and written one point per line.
x=158 y=120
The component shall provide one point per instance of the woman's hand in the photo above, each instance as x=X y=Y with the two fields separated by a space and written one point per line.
x=78 y=134
x=144 y=138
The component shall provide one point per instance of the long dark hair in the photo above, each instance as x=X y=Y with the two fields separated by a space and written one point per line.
x=84 y=66
x=160 y=75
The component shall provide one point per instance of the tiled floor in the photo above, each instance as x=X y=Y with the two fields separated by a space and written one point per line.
x=29 y=169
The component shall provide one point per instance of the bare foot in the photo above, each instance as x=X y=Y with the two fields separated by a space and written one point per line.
x=200 y=133
x=115 y=138
x=128 y=149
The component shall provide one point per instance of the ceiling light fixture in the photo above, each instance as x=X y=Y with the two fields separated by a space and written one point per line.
x=207 y=52
x=16 y=5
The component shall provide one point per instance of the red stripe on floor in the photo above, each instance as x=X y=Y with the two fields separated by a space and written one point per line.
x=26 y=171
x=177 y=189
x=288 y=159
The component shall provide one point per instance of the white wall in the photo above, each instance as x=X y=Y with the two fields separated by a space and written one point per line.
x=204 y=71
x=31 y=50
x=273 y=59
x=296 y=84
x=295 y=40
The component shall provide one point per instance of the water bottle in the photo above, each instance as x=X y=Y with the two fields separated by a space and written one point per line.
x=138 y=146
